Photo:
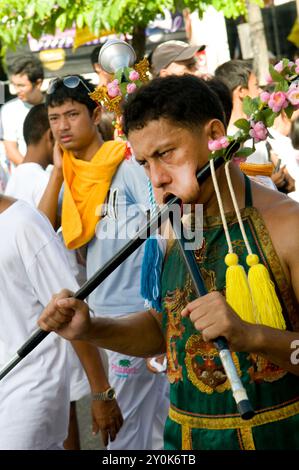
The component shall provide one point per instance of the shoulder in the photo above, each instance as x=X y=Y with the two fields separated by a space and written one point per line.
x=281 y=216
x=11 y=105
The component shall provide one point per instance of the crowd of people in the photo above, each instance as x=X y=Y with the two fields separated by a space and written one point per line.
x=70 y=201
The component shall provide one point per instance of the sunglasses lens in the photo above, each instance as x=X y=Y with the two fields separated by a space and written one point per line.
x=72 y=81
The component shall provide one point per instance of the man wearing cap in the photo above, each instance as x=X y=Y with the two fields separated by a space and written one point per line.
x=175 y=58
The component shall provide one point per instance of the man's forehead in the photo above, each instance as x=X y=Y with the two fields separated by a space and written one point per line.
x=19 y=77
x=67 y=105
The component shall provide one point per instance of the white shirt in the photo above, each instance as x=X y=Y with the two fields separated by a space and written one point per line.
x=282 y=146
x=123 y=214
x=34 y=396
x=28 y=182
x=13 y=116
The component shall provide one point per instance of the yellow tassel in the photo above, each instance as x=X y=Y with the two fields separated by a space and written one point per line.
x=267 y=306
x=238 y=294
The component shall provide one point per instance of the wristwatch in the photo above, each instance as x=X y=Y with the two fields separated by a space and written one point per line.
x=108 y=395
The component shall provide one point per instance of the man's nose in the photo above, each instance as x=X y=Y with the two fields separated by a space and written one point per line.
x=63 y=123
x=158 y=176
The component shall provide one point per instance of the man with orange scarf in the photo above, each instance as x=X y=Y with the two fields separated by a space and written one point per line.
x=100 y=211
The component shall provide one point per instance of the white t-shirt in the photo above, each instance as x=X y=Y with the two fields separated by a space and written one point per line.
x=28 y=182
x=34 y=396
x=282 y=146
x=13 y=116
x=123 y=214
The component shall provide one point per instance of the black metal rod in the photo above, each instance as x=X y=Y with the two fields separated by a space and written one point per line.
x=102 y=273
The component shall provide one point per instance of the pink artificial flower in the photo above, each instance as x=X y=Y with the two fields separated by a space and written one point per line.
x=131 y=87
x=133 y=75
x=278 y=101
x=113 y=89
x=265 y=96
x=279 y=67
x=269 y=79
x=293 y=94
x=258 y=131
x=218 y=144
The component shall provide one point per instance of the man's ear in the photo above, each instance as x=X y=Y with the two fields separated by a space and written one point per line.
x=214 y=129
x=163 y=73
x=97 y=115
x=242 y=92
x=38 y=83
x=50 y=136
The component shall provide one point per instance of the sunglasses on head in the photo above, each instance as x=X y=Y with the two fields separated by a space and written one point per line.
x=71 y=81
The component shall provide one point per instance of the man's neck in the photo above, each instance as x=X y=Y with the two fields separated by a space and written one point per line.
x=5 y=202
x=88 y=152
x=36 y=99
x=36 y=154
x=210 y=203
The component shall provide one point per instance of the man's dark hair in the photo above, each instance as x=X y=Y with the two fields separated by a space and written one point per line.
x=224 y=94
x=61 y=93
x=36 y=124
x=235 y=73
x=185 y=100
x=29 y=65
x=94 y=56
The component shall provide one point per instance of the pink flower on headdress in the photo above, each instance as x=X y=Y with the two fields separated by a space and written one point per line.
x=131 y=87
x=278 y=101
x=113 y=89
x=133 y=75
x=265 y=96
x=258 y=131
x=279 y=67
x=218 y=144
x=268 y=79
x=293 y=94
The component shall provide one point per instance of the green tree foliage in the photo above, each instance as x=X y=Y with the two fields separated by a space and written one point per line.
x=18 y=18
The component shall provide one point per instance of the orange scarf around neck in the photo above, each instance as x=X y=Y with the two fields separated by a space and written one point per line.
x=86 y=185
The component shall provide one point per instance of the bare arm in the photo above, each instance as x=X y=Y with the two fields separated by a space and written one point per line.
x=106 y=415
x=91 y=360
x=12 y=152
x=137 y=334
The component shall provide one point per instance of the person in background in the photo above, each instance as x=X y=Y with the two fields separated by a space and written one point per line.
x=174 y=58
x=239 y=76
x=104 y=77
x=26 y=75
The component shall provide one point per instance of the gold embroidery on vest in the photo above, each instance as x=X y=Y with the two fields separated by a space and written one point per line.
x=264 y=370
x=186 y=438
x=203 y=371
x=247 y=438
x=233 y=422
x=174 y=303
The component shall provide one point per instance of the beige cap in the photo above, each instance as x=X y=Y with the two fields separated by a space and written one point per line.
x=172 y=51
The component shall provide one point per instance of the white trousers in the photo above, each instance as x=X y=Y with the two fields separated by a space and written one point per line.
x=143 y=398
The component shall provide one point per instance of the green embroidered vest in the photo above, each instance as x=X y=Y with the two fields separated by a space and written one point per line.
x=203 y=413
